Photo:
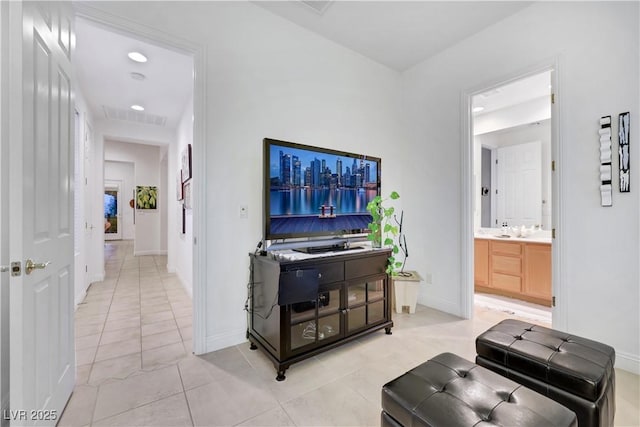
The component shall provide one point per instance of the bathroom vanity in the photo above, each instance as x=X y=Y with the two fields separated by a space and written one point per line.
x=515 y=267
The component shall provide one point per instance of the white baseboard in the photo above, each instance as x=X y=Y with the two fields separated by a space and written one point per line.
x=628 y=362
x=154 y=252
x=225 y=339
x=171 y=269
x=440 y=304
x=79 y=298
x=188 y=289
x=97 y=277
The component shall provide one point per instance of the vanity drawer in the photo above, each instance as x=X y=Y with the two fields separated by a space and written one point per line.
x=506 y=282
x=507 y=264
x=506 y=248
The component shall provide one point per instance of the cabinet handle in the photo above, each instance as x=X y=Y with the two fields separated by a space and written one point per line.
x=319 y=275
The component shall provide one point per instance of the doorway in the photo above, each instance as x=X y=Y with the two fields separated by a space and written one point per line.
x=511 y=136
x=112 y=211
x=160 y=40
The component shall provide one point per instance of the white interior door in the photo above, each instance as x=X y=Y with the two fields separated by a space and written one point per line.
x=519 y=176
x=112 y=210
x=42 y=359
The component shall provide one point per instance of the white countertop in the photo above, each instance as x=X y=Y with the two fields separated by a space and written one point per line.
x=541 y=236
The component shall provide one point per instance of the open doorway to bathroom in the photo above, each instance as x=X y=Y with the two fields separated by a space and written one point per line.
x=511 y=132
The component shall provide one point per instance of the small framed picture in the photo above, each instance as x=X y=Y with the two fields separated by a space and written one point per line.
x=179 y=195
x=146 y=197
x=187 y=195
x=186 y=163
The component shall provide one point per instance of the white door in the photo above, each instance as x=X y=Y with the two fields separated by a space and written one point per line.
x=42 y=359
x=88 y=201
x=112 y=211
x=519 y=176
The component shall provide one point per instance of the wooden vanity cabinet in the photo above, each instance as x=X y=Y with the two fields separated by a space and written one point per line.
x=481 y=264
x=537 y=270
x=520 y=270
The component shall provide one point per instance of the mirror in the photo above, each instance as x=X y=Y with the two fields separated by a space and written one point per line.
x=512 y=154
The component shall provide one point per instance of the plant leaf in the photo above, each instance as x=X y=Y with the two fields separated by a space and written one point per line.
x=394 y=195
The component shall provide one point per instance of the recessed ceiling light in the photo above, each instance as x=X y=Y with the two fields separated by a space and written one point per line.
x=137 y=107
x=138 y=76
x=477 y=109
x=137 y=56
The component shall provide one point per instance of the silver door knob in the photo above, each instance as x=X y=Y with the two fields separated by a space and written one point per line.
x=29 y=266
x=3 y=268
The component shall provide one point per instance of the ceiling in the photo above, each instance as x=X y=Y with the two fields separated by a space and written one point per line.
x=514 y=93
x=104 y=74
x=398 y=34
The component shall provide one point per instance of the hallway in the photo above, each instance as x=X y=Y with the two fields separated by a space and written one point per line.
x=131 y=331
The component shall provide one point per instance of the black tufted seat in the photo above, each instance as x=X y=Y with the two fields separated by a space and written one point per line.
x=574 y=371
x=451 y=391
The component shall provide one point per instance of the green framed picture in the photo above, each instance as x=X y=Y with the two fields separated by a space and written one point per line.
x=146 y=197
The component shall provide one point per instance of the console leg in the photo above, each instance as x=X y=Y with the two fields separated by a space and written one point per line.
x=253 y=347
x=280 y=376
x=388 y=331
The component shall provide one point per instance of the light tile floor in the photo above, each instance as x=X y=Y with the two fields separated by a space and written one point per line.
x=135 y=366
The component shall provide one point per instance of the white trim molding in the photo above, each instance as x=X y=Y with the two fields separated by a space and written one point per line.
x=628 y=362
x=226 y=339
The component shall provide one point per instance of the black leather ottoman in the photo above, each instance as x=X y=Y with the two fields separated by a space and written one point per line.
x=451 y=391
x=574 y=371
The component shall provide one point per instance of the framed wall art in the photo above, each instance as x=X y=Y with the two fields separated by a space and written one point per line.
x=146 y=197
x=186 y=163
x=623 y=151
x=187 y=195
x=179 y=195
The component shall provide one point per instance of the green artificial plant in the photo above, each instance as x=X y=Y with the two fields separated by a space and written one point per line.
x=383 y=231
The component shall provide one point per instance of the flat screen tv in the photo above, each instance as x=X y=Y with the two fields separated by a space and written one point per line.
x=312 y=191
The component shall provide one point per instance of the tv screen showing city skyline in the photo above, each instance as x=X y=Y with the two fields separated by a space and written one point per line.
x=315 y=191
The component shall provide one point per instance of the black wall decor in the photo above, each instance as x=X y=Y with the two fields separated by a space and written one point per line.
x=623 y=151
x=605 y=161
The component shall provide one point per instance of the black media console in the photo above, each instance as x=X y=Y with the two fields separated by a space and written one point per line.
x=302 y=307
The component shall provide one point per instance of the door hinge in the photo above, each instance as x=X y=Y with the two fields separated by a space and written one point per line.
x=553 y=301
x=496 y=161
x=553 y=165
x=553 y=98
x=553 y=233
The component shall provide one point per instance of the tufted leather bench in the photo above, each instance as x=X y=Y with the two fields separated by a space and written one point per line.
x=451 y=391
x=574 y=371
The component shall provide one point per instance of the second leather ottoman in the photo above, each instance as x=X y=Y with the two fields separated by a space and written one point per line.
x=573 y=371
x=449 y=391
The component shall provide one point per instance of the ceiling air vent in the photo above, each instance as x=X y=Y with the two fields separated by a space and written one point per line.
x=318 y=6
x=128 y=115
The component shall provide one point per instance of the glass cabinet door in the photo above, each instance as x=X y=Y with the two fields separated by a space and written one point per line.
x=315 y=321
x=365 y=304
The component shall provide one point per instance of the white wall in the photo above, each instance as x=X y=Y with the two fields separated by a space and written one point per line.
x=180 y=250
x=598 y=75
x=162 y=194
x=267 y=77
x=146 y=160
x=124 y=172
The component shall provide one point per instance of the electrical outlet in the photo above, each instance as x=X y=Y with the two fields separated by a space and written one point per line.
x=244 y=211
